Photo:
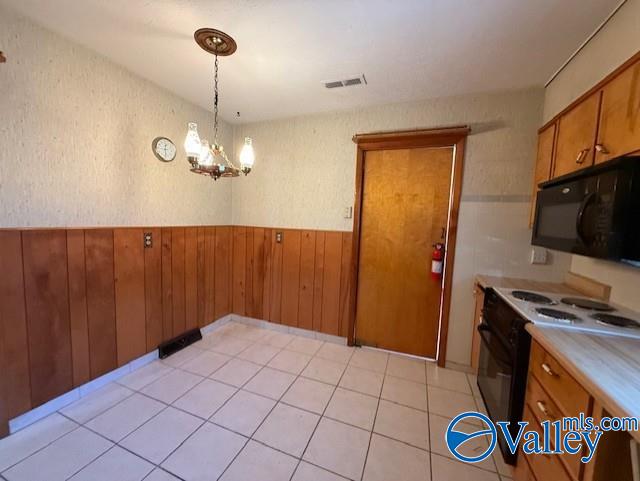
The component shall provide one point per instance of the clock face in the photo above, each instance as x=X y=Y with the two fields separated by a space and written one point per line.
x=164 y=149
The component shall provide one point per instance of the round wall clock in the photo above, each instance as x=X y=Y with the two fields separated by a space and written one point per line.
x=163 y=149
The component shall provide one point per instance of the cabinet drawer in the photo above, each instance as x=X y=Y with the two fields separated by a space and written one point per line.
x=544 y=409
x=565 y=391
x=545 y=467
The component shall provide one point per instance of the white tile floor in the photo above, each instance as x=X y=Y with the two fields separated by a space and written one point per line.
x=250 y=404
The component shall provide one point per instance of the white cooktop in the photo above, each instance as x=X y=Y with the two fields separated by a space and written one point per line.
x=584 y=321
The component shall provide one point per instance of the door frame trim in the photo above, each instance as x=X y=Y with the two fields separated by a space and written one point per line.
x=454 y=137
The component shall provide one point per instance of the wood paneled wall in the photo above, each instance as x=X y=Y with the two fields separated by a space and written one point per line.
x=78 y=303
x=75 y=304
x=302 y=281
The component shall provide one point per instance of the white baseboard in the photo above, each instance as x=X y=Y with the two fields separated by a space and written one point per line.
x=217 y=324
x=288 y=329
x=30 y=417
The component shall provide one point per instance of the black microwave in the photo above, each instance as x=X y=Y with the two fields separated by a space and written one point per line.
x=594 y=212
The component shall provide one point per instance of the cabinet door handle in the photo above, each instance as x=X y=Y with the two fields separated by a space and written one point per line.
x=543 y=409
x=581 y=156
x=545 y=367
x=602 y=149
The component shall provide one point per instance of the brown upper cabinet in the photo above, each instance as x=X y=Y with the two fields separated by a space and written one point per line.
x=619 y=131
x=602 y=124
x=544 y=161
x=576 y=137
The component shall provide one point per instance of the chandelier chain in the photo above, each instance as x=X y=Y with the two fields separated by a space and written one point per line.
x=215 y=102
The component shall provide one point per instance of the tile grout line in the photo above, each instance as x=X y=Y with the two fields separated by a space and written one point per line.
x=426 y=387
x=375 y=417
x=298 y=376
x=78 y=426
x=134 y=391
x=493 y=460
x=209 y=420
x=250 y=438
x=335 y=388
x=166 y=406
x=99 y=456
x=117 y=443
x=159 y=466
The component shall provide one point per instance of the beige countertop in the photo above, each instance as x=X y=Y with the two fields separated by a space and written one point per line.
x=526 y=284
x=608 y=367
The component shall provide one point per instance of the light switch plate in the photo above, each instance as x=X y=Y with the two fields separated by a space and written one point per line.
x=347 y=212
x=538 y=255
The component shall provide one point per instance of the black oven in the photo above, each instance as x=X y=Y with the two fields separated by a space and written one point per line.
x=593 y=212
x=503 y=363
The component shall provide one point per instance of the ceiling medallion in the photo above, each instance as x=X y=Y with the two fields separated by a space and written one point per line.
x=211 y=159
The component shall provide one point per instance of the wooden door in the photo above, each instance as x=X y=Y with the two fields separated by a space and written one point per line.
x=405 y=206
x=544 y=162
x=619 y=131
x=576 y=137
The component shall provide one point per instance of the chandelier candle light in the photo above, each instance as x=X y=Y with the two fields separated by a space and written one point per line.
x=211 y=159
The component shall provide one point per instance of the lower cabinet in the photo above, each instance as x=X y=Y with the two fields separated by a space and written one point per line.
x=523 y=471
x=552 y=394
x=544 y=466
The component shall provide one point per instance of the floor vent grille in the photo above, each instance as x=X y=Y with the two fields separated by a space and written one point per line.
x=178 y=343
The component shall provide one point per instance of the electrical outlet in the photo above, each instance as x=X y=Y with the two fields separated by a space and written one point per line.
x=279 y=236
x=347 y=212
x=538 y=255
x=148 y=240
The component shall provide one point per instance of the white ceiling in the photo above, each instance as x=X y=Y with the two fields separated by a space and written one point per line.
x=408 y=49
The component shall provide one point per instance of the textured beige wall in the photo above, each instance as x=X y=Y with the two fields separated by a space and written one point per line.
x=304 y=175
x=615 y=43
x=612 y=46
x=75 y=141
x=305 y=168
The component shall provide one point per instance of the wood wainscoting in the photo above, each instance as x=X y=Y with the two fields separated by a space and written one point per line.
x=78 y=303
x=302 y=281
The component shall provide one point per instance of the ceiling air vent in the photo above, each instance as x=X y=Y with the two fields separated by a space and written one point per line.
x=333 y=84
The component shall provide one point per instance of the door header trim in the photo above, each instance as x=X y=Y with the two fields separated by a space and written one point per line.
x=404 y=139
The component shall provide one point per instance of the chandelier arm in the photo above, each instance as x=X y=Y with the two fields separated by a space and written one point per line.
x=229 y=162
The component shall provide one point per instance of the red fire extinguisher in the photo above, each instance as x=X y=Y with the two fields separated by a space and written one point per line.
x=437 y=261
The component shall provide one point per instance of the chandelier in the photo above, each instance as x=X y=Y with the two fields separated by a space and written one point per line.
x=211 y=159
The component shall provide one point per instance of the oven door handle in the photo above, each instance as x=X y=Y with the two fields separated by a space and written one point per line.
x=504 y=357
x=580 y=219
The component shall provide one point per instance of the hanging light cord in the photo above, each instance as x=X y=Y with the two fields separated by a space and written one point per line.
x=215 y=102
